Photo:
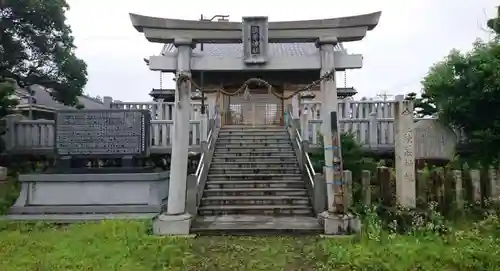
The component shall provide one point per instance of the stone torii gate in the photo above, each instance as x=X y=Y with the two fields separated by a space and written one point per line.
x=255 y=33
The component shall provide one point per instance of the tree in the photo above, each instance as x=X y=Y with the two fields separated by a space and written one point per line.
x=352 y=156
x=494 y=23
x=465 y=88
x=424 y=107
x=7 y=102
x=36 y=47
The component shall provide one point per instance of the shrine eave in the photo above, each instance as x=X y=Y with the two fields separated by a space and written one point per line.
x=164 y=30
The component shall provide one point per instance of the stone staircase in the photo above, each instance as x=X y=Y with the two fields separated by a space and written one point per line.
x=254 y=182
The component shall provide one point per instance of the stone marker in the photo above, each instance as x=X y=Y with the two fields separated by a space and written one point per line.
x=404 y=150
x=99 y=133
x=87 y=134
x=434 y=140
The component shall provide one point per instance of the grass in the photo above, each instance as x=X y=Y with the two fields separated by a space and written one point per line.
x=126 y=245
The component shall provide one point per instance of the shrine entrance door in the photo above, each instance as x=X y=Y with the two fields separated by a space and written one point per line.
x=257 y=107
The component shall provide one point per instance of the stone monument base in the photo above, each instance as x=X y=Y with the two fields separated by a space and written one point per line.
x=339 y=224
x=113 y=193
x=165 y=224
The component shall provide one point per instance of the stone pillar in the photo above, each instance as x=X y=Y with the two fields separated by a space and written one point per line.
x=203 y=125
x=295 y=106
x=335 y=219
x=304 y=121
x=176 y=221
x=107 y=101
x=404 y=150
x=330 y=136
x=160 y=109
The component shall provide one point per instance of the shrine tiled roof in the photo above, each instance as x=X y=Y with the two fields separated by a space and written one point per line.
x=42 y=96
x=235 y=50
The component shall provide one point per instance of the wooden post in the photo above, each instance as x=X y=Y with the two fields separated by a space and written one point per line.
x=366 y=186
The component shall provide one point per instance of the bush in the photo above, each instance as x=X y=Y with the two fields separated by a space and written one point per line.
x=352 y=156
x=9 y=191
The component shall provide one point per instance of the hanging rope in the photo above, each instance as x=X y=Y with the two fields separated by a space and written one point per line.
x=185 y=77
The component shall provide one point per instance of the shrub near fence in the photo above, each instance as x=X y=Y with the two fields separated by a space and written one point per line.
x=450 y=191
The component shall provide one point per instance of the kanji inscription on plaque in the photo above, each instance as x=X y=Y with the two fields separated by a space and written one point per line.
x=102 y=132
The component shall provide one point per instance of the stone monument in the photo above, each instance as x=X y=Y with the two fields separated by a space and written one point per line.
x=117 y=183
x=434 y=141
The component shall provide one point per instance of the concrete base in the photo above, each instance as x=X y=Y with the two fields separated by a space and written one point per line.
x=76 y=218
x=112 y=193
x=165 y=224
x=339 y=224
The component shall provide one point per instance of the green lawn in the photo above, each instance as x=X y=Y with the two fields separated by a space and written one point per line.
x=122 y=245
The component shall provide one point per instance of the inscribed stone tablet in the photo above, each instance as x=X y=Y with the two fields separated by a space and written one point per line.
x=109 y=132
x=434 y=140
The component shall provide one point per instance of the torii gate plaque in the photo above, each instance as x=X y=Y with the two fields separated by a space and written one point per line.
x=255 y=40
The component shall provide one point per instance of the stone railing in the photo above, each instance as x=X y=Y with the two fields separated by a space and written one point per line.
x=372 y=133
x=370 y=122
x=39 y=135
x=162 y=110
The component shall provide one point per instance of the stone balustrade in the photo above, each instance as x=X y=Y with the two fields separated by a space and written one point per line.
x=162 y=110
x=38 y=136
x=370 y=122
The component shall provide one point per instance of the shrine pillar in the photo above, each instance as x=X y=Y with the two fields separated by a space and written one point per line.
x=335 y=220
x=175 y=221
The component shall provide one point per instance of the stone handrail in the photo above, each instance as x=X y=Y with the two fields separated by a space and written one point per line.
x=314 y=182
x=196 y=181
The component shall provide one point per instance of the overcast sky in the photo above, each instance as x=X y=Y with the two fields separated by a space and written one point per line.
x=411 y=35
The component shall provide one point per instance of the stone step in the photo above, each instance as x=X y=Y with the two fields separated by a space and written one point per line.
x=258 y=164
x=252 y=150
x=255 y=184
x=255 y=192
x=269 y=138
x=237 y=170
x=256 y=225
x=246 y=145
x=255 y=200
x=246 y=158
x=224 y=134
x=253 y=176
x=277 y=210
x=245 y=141
x=262 y=152
x=254 y=129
